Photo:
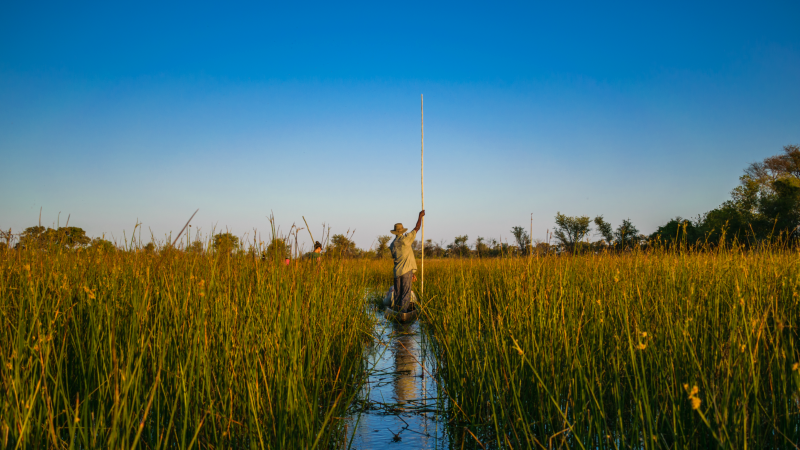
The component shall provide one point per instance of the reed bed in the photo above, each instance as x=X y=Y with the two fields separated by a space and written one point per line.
x=129 y=349
x=659 y=349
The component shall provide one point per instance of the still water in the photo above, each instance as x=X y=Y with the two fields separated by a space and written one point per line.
x=398 y=406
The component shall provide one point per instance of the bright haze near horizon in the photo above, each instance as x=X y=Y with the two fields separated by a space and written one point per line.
x=115 y=113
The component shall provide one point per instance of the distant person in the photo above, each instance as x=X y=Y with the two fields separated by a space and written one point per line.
x=317 y=253
x=405 y=266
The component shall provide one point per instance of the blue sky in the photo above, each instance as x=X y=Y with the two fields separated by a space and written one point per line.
x=114 y=113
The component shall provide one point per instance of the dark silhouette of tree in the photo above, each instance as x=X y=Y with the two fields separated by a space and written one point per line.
x=481 y=248
x=522 y=238
x=766 y=203
x=459 y=246
x=680 y=230
x=604 y=229
x=626 y=235
x=383 y=247
x=7 y=236
x=434 y=250
x=782 y=207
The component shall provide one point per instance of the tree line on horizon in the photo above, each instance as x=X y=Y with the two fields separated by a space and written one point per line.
x=765 y=205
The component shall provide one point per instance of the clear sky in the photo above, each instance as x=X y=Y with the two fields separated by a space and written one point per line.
x=114 y=113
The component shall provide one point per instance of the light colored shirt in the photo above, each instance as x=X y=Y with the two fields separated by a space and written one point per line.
x=403 y=254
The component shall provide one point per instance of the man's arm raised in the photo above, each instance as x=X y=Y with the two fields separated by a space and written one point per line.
x=419 y=220
x=416 y=229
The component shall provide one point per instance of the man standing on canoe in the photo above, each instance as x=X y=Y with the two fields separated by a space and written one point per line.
x=405 y=266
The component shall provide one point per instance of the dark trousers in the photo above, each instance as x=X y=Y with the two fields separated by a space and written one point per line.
x=402 y=291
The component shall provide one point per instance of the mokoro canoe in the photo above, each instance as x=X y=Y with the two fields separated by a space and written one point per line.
x=389 y=297
x=406 y=317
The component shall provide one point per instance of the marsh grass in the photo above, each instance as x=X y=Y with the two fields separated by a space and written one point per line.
x=660 y=349
x=166 y=349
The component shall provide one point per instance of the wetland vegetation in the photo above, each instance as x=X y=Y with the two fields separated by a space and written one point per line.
x=138 y=349
x=659 y=349
x=664 y=348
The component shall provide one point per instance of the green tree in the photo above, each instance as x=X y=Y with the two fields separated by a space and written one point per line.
x=740 y=217
x=542 y=248
x=765 y=202
x=278 y=249
x=40 y=237
x=522 y=238
x=103 y=245
x=342 y=246
x=225 y=242
x=434 y=250
x=764 y=174
x=196 y=247
x=72 y=237
x=7 y=236
x=571 y=230
x=604 y=229
x=782 y=207
x=626 y=235
x=481 y=248
x=383 y=247
x=498 y=248
x=680 y=230
x=33 y=236
x=459 y=246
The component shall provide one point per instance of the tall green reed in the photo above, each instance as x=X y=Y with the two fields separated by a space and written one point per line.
x=660 y=349
x=171 y=350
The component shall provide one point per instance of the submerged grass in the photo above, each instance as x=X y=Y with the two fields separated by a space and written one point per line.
x=647 y=350
x=177 y=350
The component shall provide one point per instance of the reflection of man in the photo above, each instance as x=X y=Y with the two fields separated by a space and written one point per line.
x=405 y=366
x=405 y=266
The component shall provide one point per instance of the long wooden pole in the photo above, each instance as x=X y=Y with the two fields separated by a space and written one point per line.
x=422 y=185
x=309 y=233
x=179 y=234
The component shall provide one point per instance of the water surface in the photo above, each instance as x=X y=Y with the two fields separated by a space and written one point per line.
x=397 y=407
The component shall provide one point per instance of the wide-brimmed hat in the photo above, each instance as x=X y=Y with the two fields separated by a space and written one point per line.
x=398 y=229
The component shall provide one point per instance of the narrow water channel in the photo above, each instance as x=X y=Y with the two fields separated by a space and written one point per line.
x=397 y=407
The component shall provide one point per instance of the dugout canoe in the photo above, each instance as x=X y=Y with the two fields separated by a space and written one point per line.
x=397 y=316
x=400 y=317
x=389 y=298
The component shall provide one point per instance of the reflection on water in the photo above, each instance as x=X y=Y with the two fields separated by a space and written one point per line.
x=397 y=407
